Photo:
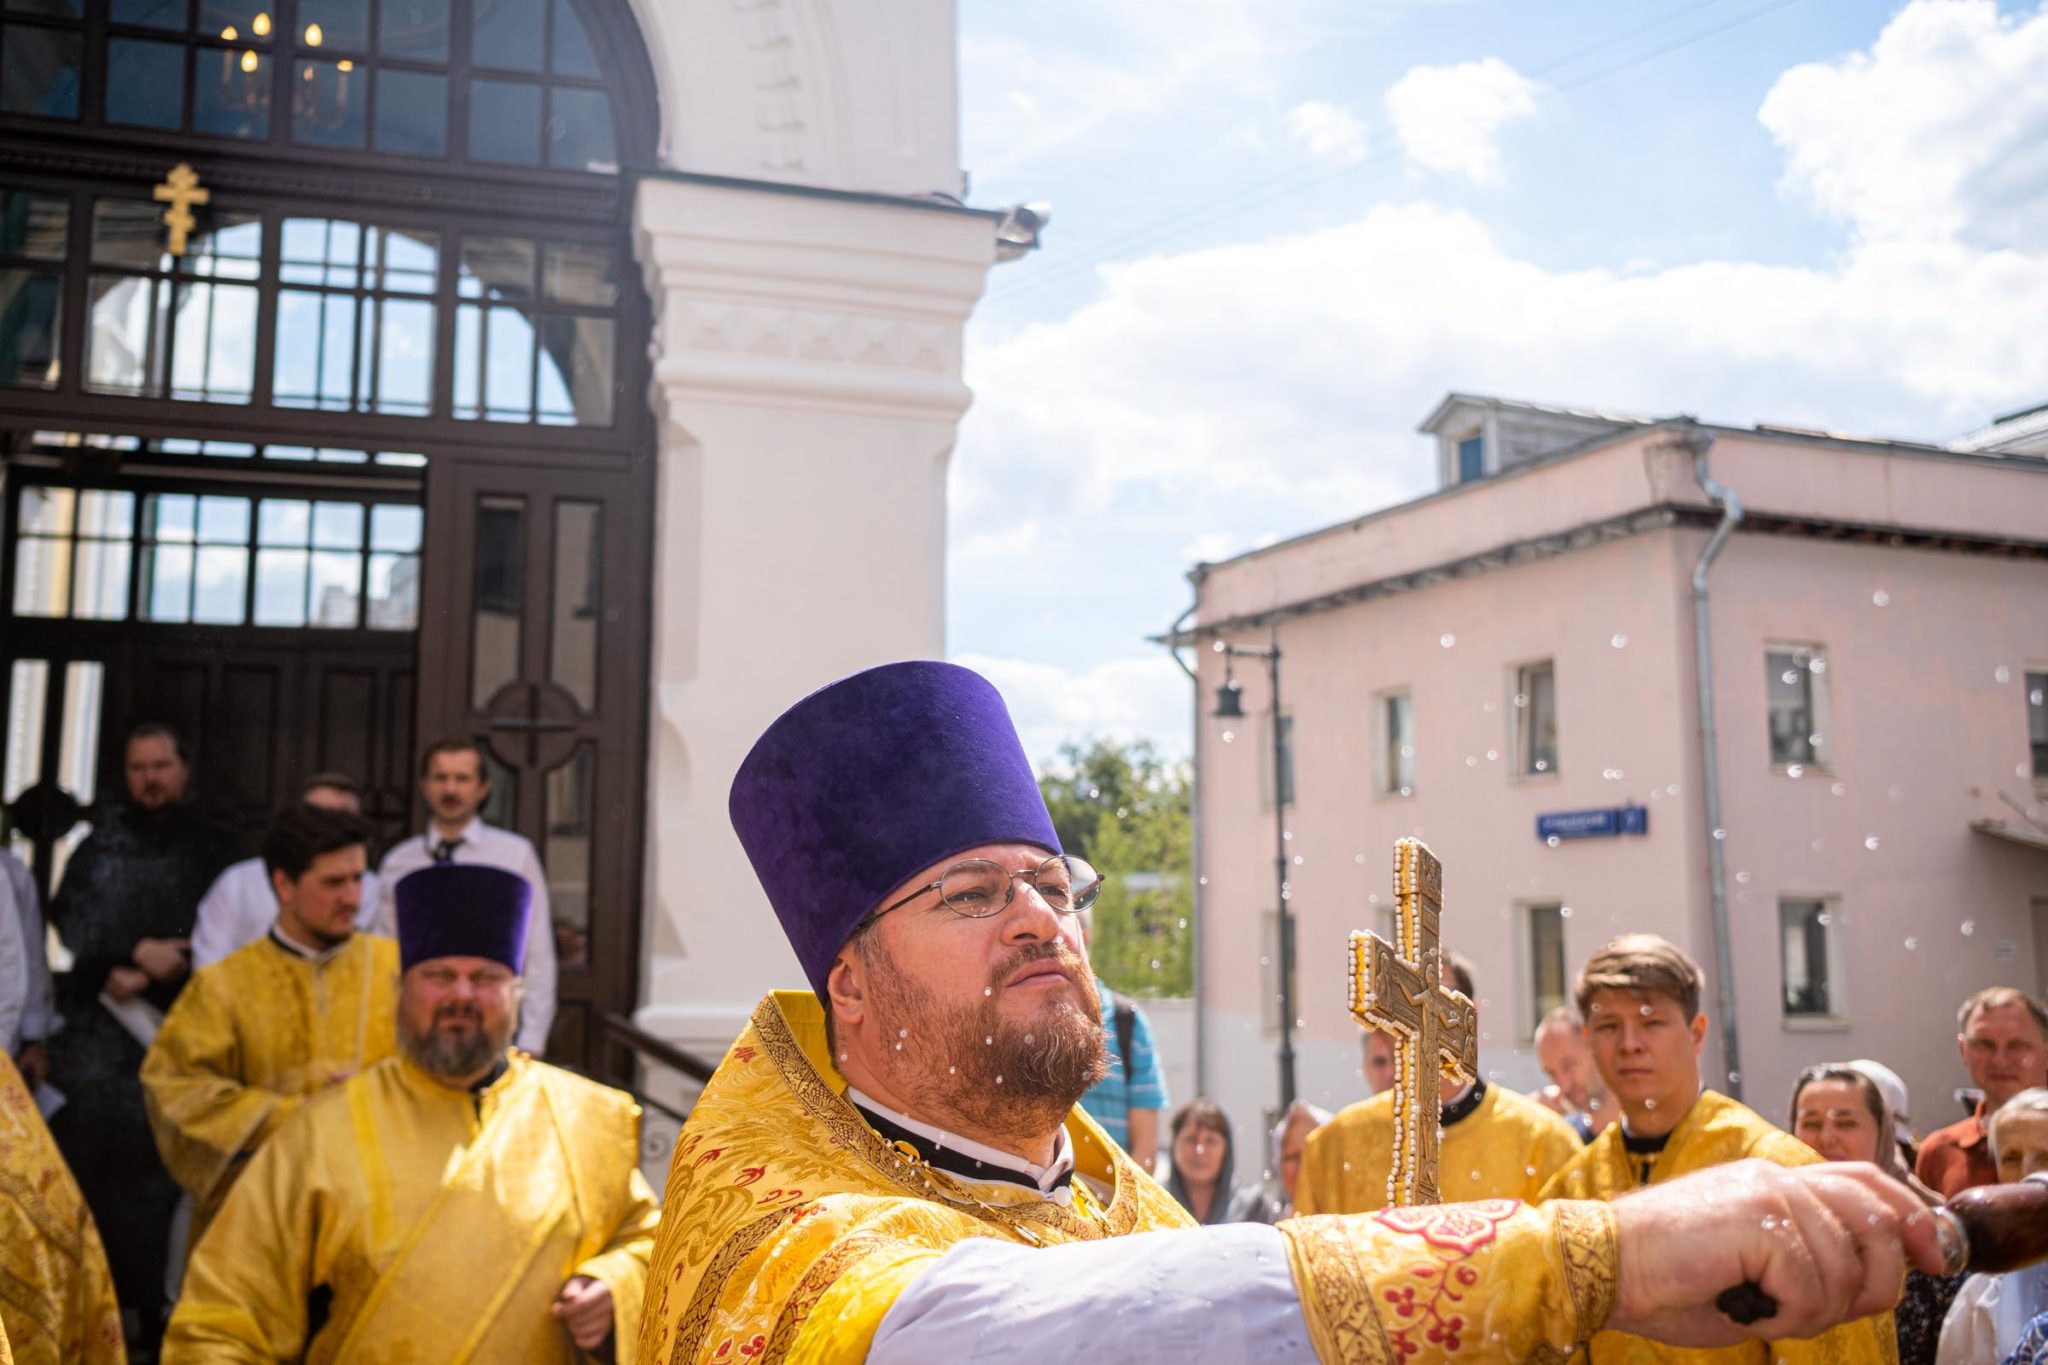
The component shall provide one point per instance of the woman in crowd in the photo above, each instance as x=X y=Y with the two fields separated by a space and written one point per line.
x=1840 y=1111
x=1995 y=1317
x=1202 y=1166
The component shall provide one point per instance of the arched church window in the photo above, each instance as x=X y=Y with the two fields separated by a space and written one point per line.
x=493 y=83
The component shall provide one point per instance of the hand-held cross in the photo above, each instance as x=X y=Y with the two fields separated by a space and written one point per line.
x=1435 y=1028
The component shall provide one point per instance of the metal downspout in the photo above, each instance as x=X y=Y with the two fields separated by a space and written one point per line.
x=1194 y=844
x=1730 y=503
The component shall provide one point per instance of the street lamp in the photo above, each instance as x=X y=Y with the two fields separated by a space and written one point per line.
x=1230 y=706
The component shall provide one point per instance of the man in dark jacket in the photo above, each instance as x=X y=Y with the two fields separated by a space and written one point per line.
x=125 y=912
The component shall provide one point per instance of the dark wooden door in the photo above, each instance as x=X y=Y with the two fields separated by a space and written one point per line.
x=540 y=651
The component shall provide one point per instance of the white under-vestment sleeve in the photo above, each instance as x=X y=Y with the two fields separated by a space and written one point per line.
x=1217 y=1294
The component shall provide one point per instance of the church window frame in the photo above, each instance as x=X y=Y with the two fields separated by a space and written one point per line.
x=1543 y=962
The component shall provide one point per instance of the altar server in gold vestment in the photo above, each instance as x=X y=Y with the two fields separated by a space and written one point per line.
x=1496 y=1144
x=457 y=1202
x=254 y=1035
x=56 y=1296
x=1640 y=998
x=891 y=1166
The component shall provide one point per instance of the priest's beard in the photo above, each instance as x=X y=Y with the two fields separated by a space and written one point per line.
x=971 y=1069
x=452 y=1055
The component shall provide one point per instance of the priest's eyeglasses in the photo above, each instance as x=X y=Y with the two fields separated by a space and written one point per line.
x=976 y=888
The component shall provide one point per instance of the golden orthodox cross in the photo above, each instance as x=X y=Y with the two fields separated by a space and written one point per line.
x=181 y=191
x=1435 y=1028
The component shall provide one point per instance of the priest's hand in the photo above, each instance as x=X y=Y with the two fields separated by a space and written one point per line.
x=585 y=1308
x=33 y=1063
x=1830 y=1243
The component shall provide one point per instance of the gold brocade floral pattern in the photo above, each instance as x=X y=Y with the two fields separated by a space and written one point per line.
x=778 y=1189
x=1490 y=1281
x=56 y=1295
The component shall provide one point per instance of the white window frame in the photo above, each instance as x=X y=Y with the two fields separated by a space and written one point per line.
x=1837 y=1016
x=1386 y=776
x=1265 y=732
x=1811 y=659
x=1519 y=718
x=2033 y=679
x=1529 y=1004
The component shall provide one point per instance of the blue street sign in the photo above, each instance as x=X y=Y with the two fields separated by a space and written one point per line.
x=1593 y=824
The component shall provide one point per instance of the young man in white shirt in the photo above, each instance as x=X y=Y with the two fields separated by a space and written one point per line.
x=455 y=785
x=240 y=906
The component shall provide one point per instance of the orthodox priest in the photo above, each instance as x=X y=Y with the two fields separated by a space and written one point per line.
x=56 y=1296
x=254 y=1035
x=1640 y=998
x=458 y=1202
x=890 y=1166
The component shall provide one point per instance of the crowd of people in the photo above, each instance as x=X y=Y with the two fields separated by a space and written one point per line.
x=1626 y=1107
x=208 y=999
x=289 y=1107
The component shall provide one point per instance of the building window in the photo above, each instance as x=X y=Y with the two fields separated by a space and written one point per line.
x=534 y=331
x=1534 y=710
x=32 y=232
x=1271 y=955
x=356 y=317
x=1266 y=759
x=172 y=326
x=1796 y=679
x=1810 y=955
x=1471 y=458
x=328 y=564
x=2037 y=721
x=1548 y=986
x=1394 y=744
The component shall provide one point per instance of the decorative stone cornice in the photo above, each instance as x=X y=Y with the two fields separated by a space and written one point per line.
x=762 y=295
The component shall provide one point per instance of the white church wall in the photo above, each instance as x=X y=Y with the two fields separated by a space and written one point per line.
x=840 y=94
x=808 y=384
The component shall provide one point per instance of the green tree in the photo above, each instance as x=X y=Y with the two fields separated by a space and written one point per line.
x=1129 y=812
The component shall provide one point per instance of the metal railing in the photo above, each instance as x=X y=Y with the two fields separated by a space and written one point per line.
x=660 y=1052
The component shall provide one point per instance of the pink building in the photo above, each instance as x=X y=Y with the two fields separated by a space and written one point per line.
x=1507 y=668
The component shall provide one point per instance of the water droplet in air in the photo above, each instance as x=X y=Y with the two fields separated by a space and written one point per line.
x=1471 y=760
x=1824 y=919
x=988 y=990
x=1735 y=1078
x=989 y=1041
x=1880 y=598
x=1896 y=792
x=1155 y=964
x=1794 y=770
x=1564 y=912
x=1493 y=755
x=1553 y=841
x=903 y=1033
x=1229 y=736
x=1838 y=789
x=1671 y=790
x=1969 y=927
x=1816 y=845
x=2001 y=674
x=1720 y=834
x=1447 y=639
x=1912 y=945
x=1029 y=1039
x=999 y=1080
x=1618 y=640
x=899 y=1047
x=1742 y=877
x=1204 y=881
x=1358 y=858
x=1287 y=834
x=1871 y=843
x=1650 y=1103
x=952 y=1071
x=1790 y=677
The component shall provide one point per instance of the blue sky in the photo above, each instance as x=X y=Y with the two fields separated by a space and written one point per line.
x=1284 y=228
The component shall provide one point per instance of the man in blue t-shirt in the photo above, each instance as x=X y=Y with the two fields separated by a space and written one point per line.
x=1127 y=1100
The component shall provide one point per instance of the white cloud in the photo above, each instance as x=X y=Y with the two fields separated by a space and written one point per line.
x=1939 y=131
x=1124 y=699
x=1448 y=118
x=1328 y=132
